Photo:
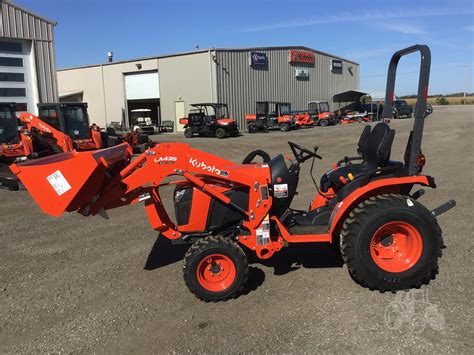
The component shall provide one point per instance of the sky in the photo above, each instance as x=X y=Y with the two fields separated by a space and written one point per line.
x=367 y=32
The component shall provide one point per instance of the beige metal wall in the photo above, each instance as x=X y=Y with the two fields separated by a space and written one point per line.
x=88 y=80
x=189 y=78
x=240 y=86
x=16 y=22
x=103 y=87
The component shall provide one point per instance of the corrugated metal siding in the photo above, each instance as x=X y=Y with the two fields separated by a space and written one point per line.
x=240 y=86
x=17 y=23
x=46 y=71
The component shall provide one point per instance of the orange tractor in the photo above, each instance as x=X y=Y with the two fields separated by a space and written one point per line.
x=15 y=144
x=368 y=205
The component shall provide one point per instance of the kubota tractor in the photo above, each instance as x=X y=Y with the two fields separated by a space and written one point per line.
x=271 y=115
x=388 y=239
x=209 y=119
x=15 y=144
x=72 y=119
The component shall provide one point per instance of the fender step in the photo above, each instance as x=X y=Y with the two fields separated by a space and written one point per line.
x=445 y=207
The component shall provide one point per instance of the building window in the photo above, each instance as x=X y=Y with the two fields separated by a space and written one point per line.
x=12 y=47
x=12 y=92
x=13 y=77
x=11 y=62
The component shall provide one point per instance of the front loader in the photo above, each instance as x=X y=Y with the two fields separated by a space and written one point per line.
x=388 y=240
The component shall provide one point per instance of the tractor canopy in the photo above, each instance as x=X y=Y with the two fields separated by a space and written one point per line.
x=8 y=125
x=219 y=110
x=69 y=118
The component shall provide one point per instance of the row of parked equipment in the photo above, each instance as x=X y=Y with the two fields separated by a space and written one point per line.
x=212 y=119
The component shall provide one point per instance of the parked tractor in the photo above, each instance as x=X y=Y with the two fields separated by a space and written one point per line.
x=70 y=126
x=367 y=205
x=15 y=144
x=211 y=120
x=271 y=115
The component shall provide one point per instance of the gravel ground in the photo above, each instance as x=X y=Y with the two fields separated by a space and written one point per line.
x=77 y=284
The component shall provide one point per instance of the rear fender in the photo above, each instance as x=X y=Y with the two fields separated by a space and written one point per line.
x=374 y=188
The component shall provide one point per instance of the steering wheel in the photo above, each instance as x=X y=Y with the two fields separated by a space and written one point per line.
x=302 y=154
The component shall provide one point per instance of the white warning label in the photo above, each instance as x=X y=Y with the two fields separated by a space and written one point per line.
x=58 y=182
x=280 y=190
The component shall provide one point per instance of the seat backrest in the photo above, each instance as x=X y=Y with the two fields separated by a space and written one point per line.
x=375 y=145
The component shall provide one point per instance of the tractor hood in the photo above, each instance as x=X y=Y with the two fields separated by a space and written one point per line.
x=225 y=121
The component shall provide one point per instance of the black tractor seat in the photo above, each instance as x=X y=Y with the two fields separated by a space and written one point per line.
x=374 y=152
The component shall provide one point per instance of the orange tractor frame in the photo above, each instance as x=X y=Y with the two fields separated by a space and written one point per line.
x=225 y=210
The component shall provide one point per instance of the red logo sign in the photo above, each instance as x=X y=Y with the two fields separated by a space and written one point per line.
x=301 y=57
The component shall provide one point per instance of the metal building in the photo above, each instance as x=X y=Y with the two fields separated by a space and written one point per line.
x=27 y=59
x=167 y=85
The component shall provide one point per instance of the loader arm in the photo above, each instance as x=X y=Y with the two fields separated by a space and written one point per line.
x=34 y=123
x=92 y=182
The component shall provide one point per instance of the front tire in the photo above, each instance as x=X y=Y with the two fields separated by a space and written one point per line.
x=215 y=269
x=324 y=123
x=390 y=243
x=220 y=133
x=252 y=127
x=188 y=133
x=284 y=127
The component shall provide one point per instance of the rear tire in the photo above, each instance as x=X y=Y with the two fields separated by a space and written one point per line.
x=324 y=123
x=252 y=128
x=215 y=269
x=284 y=127
x=390 y=243
x=188 y=133
x=220 y=133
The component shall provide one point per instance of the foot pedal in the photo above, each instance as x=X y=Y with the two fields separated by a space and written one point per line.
x=417 y=194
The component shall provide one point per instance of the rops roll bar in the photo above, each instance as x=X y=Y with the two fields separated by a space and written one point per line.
x=420 y=108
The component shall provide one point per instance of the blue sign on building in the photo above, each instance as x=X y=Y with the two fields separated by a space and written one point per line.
x=258 y=59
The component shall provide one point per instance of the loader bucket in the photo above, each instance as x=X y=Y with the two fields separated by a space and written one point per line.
x=67 y=181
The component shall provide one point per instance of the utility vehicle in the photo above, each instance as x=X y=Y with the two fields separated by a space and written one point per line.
x=209 y=119
x=271 y=115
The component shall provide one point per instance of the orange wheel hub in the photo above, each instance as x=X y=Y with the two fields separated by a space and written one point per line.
x=396 y=246
x=216 y=272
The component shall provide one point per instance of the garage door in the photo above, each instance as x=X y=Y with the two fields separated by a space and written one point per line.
x=142 y=86
x=16 y=74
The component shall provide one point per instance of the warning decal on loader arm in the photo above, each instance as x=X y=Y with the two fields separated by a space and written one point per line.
x=58 y=182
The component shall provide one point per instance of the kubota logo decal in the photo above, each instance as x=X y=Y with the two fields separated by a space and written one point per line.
x=204 y=166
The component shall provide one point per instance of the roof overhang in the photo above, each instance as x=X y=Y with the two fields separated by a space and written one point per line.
x=70 y=93
x=349 y=96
